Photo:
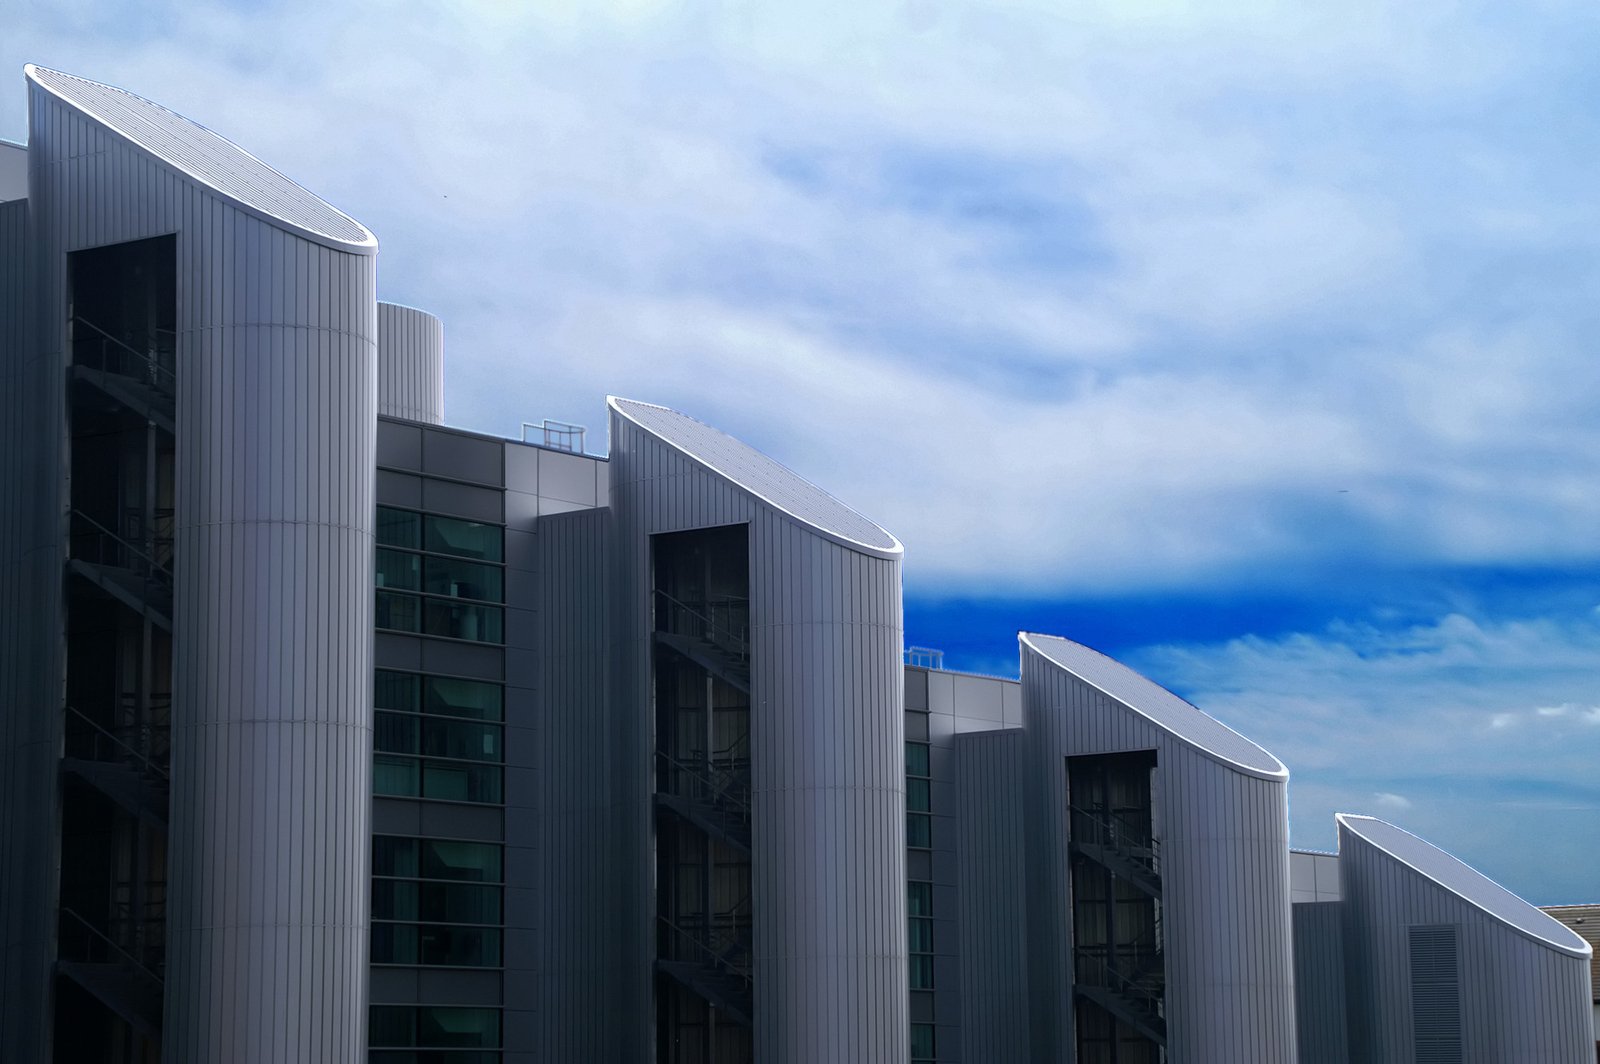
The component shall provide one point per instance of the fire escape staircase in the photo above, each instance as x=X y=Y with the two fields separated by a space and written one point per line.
x=713 y=796
x=1130 y=987
x=122 y=570
x=712 y=635
x=717 y=970
x=140 y=381
x=132 y=779
x=120 y=980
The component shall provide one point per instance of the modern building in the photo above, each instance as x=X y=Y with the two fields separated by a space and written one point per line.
x=333 y=733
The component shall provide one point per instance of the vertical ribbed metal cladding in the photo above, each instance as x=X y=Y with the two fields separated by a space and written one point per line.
x=31 y=635
x=992 y=898
x=827 y=750
x=410 y=364
x=1319 y=983
x=271 y=735
x=1223 y=833
x=566 y=984
x=1520 y=998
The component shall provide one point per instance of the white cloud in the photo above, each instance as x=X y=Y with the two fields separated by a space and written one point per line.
x=1392 y=801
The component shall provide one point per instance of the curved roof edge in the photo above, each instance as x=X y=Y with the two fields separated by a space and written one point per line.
x=1178 y=717
x=764 y=478
x=208 y=159
x=1465 y=882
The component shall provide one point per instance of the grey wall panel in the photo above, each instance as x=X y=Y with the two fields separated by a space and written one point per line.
x=1224 y=843
x=827 y=734
x=271 y=737
x=992 y=898
x=1520 y=998
x=1319 y=983
x=564 y=985
x=30 y=636
x=410 y=364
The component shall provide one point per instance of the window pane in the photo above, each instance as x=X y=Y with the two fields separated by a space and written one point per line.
x=399 y=571
x=395 y=776
x=459 y=738
x=921 y=972
x=463 y=579
x=916 y=759
x=460 y=621
x=458 y=1027
x=392 y=1025
x=464 y=539
x=458 y=903
x=394 y=856
x=917 y=799
x=919 y=830
x=477 y=862
x=394 y=900
x=449 y=782
x=922 y=1043
x=402 y=613
x=399 y=528
x=396 y=733
x=394 y=944
x=919 y=899
x=395 y=690
x=460 y=947
x=921 y=935
x=463 y=698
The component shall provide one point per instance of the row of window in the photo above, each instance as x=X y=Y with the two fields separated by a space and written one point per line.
x=919 y=938
x=435 y=945
x=923 y=1048
x=919 y=818
x=440 y=576
x=436 y=902
x=433 y=1027
x=439 y=738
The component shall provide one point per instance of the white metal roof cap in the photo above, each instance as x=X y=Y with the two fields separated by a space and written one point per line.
x=210 y=159
x=1464 y=881
x=1160 y=706
x=766 y=479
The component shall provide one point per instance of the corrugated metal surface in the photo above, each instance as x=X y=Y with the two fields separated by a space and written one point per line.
x=30 y=643
x=1522 y=998
x=208 y=160
x=567 y=895
x=1224 y=843
x=1584 y=921
x=1166 y=710
x=827 y=735
x=991 y=896
x=759 y=475
x=1319 y=983
x=271 y=738
x=410 y=364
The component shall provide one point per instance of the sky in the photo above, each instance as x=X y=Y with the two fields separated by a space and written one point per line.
x=1251 y=343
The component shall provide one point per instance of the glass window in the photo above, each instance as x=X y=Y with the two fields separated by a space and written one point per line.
x=919 y=831
x=401 y=613
x=463 y=579
x=460 y=739
x=917 y=797
x=921 y=971
x=919 y=898
x=449 y=782
x=481 y=624
x=445 y=903
x=435 y=945
x=475 y=861
x=396 y=776
x=463 y=698
x=396 y=733
x=434 y=1026
x=923 y=1047
x=464 y=539
x=917 y=759
x=394 y=856
x=396 y=690
x=399 y=571
x=399 y=528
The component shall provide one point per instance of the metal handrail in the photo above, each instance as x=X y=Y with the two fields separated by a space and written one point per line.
x=1121 y=836
x=724 y=787
x=102 y=936
x=740 y=643
x=144 y=759
x=1123 y=983
x=124 y=544
x=152 y=365
x=716 y=960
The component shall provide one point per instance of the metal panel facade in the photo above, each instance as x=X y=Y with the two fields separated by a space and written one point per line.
x=1224 y=838
x=271 y=736
x=410 y=364
x=1521 y=998
x=827 y=734
x=992 y=901
x=1319 y=983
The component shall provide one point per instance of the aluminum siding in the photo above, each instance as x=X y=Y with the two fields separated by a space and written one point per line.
x=410 y=364
x=827 y=735
x=1224 y=839
x=1319 y=983
x=1520 y=1000
x=31 y=626
x=560 y=995
x=992 y=898
x=271 y=737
